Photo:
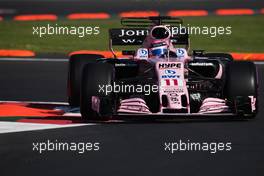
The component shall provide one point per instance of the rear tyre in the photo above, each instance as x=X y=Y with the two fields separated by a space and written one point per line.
x=76 y=65
x=96 y=103
x=241 y=83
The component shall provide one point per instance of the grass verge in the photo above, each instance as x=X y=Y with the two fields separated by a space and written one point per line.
x=247 y=35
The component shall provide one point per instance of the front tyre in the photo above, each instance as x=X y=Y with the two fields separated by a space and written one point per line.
x=76 y=65
x=241 y=88
x=96 y=102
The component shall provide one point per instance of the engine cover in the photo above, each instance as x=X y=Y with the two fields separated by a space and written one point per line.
x=206 y=68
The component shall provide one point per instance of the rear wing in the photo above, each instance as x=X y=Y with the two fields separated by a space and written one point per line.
x=137 y=29
x=136 y=36
x=150 y=21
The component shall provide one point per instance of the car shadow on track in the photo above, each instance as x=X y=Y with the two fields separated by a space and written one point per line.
x=72 y=119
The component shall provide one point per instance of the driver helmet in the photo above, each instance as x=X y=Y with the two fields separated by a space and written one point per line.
x=158 y=49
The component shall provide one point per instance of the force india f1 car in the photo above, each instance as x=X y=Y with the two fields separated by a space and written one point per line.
x=204 y=84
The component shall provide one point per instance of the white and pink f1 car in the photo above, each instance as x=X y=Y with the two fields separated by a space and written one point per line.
x=159 y=77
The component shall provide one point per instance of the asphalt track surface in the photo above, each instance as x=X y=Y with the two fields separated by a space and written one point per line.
x=64 y=7
x=134 y=148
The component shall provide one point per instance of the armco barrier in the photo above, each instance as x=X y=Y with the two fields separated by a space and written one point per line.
x=179 y=13
x=35 y=17
x=105 y=15
x=78 y=16
x=16 y=53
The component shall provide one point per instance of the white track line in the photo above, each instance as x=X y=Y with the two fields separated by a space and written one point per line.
x=34 y=59
x=11 y=127
x=259 y=63
x=37 y=102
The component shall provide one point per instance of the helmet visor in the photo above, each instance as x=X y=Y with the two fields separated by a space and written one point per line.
x=159 y=51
